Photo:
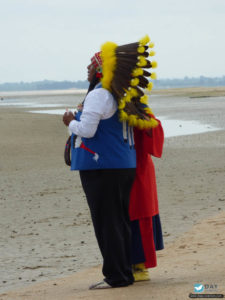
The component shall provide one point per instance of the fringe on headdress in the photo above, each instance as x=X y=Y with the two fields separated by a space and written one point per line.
x=124 y=75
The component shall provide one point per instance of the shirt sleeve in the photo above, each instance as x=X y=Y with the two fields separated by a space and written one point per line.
x=98 y=105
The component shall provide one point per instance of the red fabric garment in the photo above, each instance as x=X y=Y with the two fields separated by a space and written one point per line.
x=148 y=242
x=143 y=198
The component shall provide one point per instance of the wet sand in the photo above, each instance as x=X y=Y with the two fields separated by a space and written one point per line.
x=46 y=232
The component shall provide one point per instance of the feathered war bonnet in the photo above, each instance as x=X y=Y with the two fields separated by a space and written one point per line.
x=124 y=75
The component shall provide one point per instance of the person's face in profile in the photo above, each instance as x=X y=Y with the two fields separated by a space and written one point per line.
x=91 y=72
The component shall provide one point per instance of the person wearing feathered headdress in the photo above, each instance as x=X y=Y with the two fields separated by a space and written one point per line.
x=103 y=148
x=127 y=79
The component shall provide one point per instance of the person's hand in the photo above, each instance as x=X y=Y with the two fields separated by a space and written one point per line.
x=68 y=117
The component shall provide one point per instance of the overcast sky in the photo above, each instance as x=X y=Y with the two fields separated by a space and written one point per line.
x=54 y=39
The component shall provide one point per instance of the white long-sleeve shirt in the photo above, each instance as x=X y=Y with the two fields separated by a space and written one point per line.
x=98 y=105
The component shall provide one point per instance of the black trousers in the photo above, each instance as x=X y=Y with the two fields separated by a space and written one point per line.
x=107 y=193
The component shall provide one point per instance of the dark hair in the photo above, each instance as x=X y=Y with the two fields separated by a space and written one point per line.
x=93 y=83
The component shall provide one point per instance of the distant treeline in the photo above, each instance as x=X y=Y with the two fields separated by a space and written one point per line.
x=42 y=85
x=64 y=85
x=190 y=82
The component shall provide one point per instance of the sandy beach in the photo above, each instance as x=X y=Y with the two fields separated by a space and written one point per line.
x=47 y=245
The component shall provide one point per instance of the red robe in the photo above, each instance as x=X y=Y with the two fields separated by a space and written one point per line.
x=144 y=199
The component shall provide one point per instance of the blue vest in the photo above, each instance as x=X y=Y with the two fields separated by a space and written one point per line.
x=112 y=147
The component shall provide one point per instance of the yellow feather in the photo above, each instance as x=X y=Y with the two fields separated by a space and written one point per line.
x=127 y=98
x=142 y=61
x=146 y=124
x=108 y=63
x=134 y=82
x=137 y=72
x=150 y=86
x=141 y=49
x=133 y=93
x=154 y=123
x=123 y=115
x=132 y=120
x=148 y=110
x=152 y=53
x=154 y=64
x=153 y=76
x=121 y=104
x=144 y=40
x=140 y=124
x=151 y=45
x=144 y=99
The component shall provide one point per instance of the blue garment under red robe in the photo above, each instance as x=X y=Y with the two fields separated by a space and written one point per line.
x=144 y=200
